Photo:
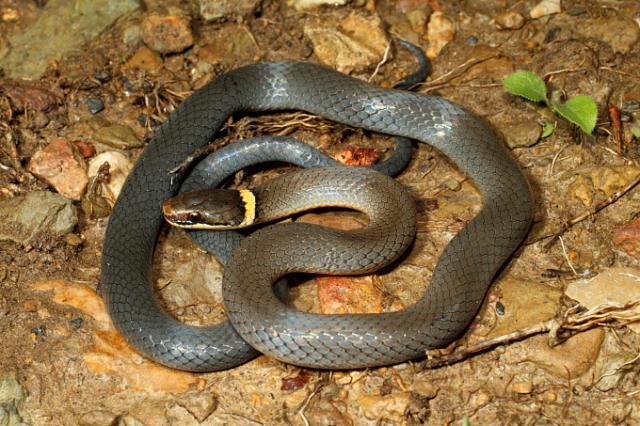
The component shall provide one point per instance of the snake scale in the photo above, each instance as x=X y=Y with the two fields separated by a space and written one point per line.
x=459 y=281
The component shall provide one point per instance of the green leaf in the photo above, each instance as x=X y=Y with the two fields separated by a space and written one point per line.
x=635 y=131
x=547 y=129
x=465 y=421
x=580 y=110
x=526 y=84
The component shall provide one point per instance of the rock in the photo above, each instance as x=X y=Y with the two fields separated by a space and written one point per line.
x=509 y=21
x=217 y=9
x=62 y=27
x=40 y=120
x=518 y=296
x=621 y=40
x=128 y=420
x=132 y=35
x=452 y=184
x=10 y=389
x=570 y=359
x=376 y=406
x=544 y=8
x=10 y=15
x=61 y=166
x=521 y=387
x=95 y=105
x=169 y=33
x=103 y=76
x=613 y=285
x=12 y=395
x=358 y=156
x=611 y=179
x=145 y=59
x=36 y=214
x=199 y=404
x=323 y=412
x=230 y=45
x=197 y=279
x=424 y=386
x=346 y=295
x=415 y=13
x=98 y=418
x=521 y=135
x=480 y=398
x=357 y=43
x=310 y=4
x=471 y=40
x=119 y=168
x=291 y=384
x=110 y=354
x=117 y=136
x=626 y=237
x=581 y=189
x=612 y=368
x=440 y=32
x=30 y=95
x=84 y=148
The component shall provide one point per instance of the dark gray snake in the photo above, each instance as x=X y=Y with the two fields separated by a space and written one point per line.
x=458 y=284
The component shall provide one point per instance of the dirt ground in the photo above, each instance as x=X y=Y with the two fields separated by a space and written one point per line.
x=62 y=363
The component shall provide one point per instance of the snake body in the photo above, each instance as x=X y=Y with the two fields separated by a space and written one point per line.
x=459 y=281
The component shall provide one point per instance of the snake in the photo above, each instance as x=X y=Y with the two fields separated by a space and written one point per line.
x=457 y=286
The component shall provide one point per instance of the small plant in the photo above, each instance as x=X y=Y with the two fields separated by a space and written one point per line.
x=580 y=110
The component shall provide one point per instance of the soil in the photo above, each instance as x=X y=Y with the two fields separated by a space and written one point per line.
x=60 y=347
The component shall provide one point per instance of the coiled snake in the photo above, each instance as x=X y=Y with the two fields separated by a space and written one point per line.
x=459 y=281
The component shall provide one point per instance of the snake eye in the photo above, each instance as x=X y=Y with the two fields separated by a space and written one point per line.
x=194 y=216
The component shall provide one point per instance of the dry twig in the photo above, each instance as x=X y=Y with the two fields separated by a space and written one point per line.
x=613 y=315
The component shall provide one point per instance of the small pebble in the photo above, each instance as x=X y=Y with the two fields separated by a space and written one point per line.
x=40 y=120
x=551 y=35
x=39 y=331
x=95 y=105
x=500 y=308
x=103 y=76
x=509 y=21
x=545 y=8
x=76 y=323
x=471 y=40
x=524 y=387
x=452 y=184
x=170 y=33
x=73 y=240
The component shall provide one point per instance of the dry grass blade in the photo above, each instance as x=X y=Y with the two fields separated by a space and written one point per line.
x=444 y=79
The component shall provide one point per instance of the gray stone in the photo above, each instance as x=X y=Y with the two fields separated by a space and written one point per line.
x=62 y=27
x=117 y=136
x=218 y=9
x=95 y=105
x=36 y=214
x=11 y=396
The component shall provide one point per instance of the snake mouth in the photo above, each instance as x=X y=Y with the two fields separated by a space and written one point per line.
x=214 y=209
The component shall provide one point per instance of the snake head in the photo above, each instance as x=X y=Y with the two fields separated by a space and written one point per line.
x=211 y=209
